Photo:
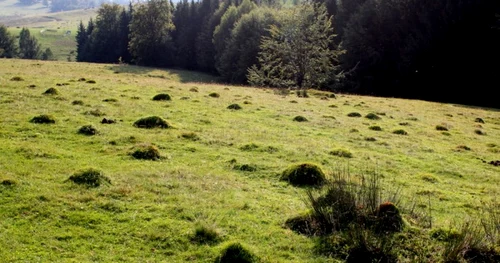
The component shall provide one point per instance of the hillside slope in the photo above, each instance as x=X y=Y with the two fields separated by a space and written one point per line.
x=151 y=208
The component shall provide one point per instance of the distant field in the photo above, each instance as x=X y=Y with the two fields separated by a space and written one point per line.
x=12 y=9
x=151 y=209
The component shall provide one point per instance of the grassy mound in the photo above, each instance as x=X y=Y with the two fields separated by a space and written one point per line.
x=96 y=113
x=90 y=178
x=441 y=128
x=388 y=219
x=234 y=107
x=214 y=95
x=341 y=153
x=375 y=128
x=236 y=253
x=354 y=114
x=152 y=122
x=77 y=102
x=372 y=116
x=400 y=132
x=300 y=119
x=305 y=174
x=162 y=96
x=43 y=119
x=16 y=79
x=204 y=234
x=87 y=130
x=51 y=91
x=146 y=152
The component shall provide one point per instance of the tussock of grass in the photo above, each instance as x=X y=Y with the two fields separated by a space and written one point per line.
x=190 y=136
x=400 y=132
x=234 y=107
x=341 y=153
x=95 y=113
x=236 y=253
x=162 y=96
x=249 y=147
x=51 y=91
x=479 y=132
x=441 y=128
x=110 y=100
x=463 y=148
x=152 y=122
x=90 y=81
x=146 y=152
x=370 y=139
x=429 y=178
x=305 y=174
x=204 y=234
x=245 y=167
x=43 y=119
x=107 y=121
x=479 y=120
x=90 y=178
x=375 y=128
x=16 y=78
x=354 y=114
x=8 y=182
x=77 y=102
x=87 y=130
x=372 y=116
x=214 y=95
x=300 y=119
x=193 y=89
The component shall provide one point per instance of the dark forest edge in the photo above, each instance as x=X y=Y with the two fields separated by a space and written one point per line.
x=420 y=49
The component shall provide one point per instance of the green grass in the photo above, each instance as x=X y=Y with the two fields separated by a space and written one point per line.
x=151 y=209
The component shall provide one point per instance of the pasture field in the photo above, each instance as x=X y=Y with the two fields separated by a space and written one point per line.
x=150 y=210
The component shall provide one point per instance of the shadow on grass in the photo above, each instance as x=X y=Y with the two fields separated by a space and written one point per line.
x=183 y=76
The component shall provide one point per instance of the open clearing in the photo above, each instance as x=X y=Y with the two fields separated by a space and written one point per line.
x=149 y=211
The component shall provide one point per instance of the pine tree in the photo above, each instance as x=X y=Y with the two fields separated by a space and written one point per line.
x=47 y=54
x=28 y=45
x=81 y=42
x=7 y=44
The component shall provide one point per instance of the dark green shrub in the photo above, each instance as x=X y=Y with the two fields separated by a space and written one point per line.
x=43 y=119
x=146 y=152
x=400 y=132
x=441 y=128
x=236 y=253
x=341 y=153
x=90 y=177
x=96 y=113
x=16 y=79
x=51 y=91
x=152 y=122
x=305 y=174
x=300 y=119
x=372 y=116
x=354 y=114
x=87 y=130
x=214 y=95
x=162 y=96
x=77 y=102
x=234 y=107
x=205 y=235
x=375 y=128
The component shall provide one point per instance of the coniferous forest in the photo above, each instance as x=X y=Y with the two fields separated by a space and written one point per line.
x=446 y=50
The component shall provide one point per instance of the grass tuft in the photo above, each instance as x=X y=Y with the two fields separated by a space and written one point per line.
x=204 y=234
x=146 y=152
x=236 y=253
x=17 y=78
x=354 y=114
x=305 y=174
x=51 y=91
x=43 y=119
x=341 y=153
x=375 y=128
x=300 y=119
x=90 y=178
x=77 y=102
x=234 y=107
x=400 y=132
x=152 y=122
x=441 y=128
x=162 y=96
x=87 y=130
x=372 y=116
x=214 y=95
x=95 y=113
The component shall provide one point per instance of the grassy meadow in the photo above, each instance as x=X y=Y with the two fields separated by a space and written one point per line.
x=48 y=27
x=151 y=209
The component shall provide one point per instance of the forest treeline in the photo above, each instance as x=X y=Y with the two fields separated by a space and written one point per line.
x=444 y=50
